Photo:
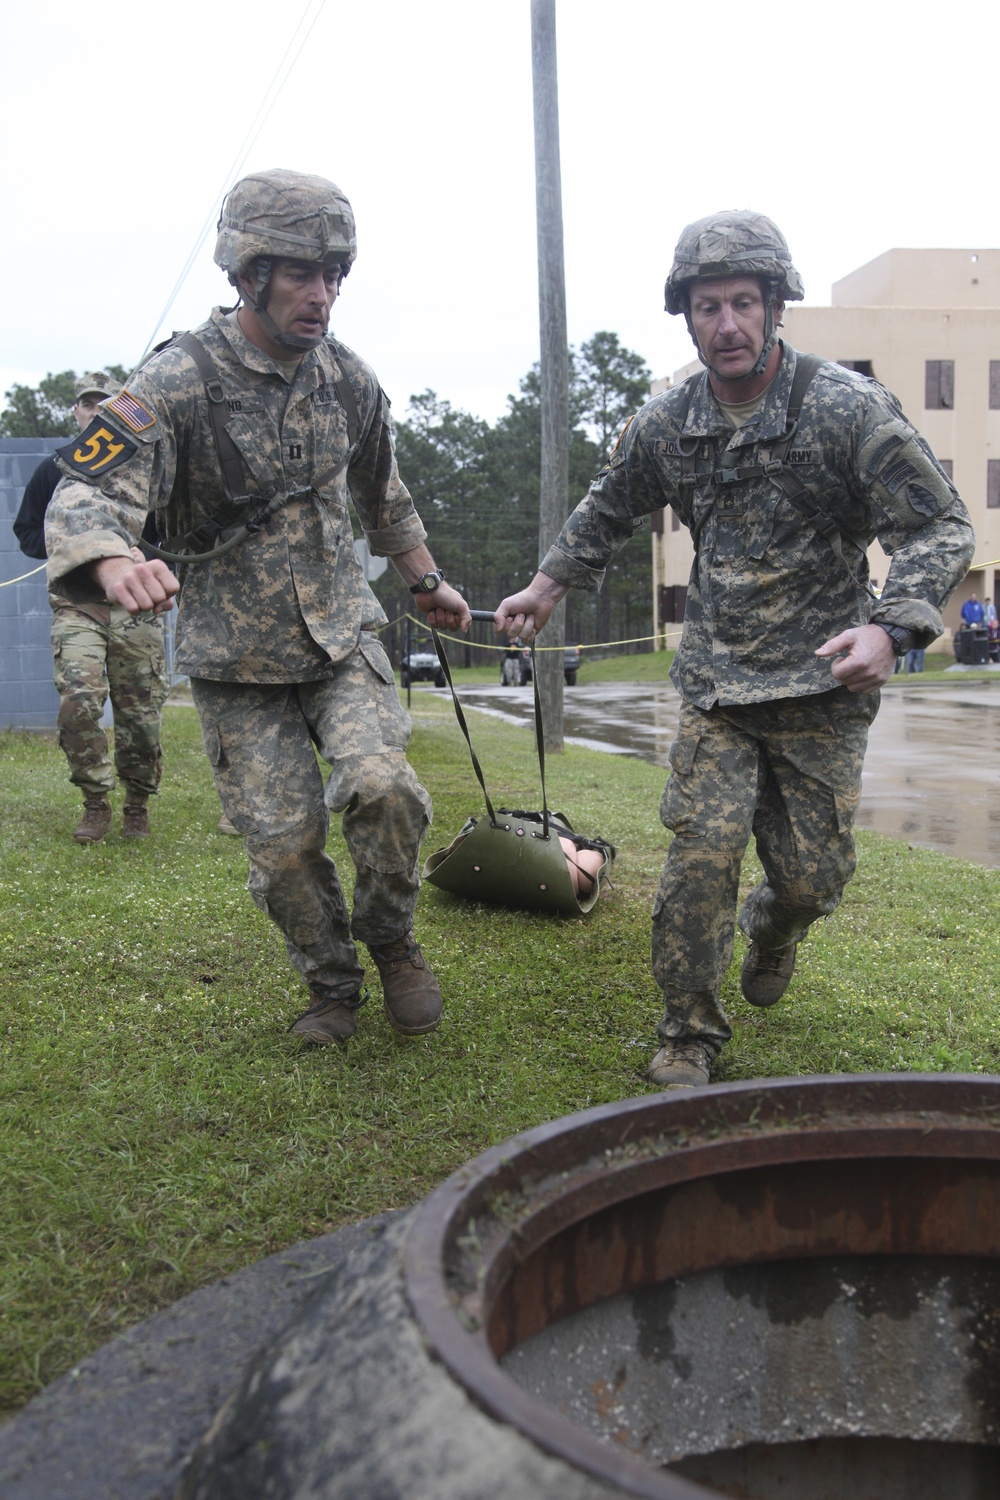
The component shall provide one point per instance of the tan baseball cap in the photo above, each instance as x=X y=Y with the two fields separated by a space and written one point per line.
x=95 y=383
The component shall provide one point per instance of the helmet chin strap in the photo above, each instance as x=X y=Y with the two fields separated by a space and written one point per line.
x=295 y=343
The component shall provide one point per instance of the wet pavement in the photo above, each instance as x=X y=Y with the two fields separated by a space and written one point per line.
x=930 y=777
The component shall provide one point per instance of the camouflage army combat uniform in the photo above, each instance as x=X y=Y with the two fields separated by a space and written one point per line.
x=784 y=468
x=287 y=615
x=765 y=590
x=765 y=745
x=278 y=634
x=100 y=649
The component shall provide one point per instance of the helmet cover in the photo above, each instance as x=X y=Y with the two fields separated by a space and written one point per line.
x=282 y=213
x=735 y=242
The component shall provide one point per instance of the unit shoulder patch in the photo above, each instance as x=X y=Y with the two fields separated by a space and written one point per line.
x=96 y=451
x=923 y=501
x=131 y=412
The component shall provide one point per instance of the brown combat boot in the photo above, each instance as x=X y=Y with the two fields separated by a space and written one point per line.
x=681 y=1065
x=95 y=822
x=135 y=821
x=766 y=973
x=411 y=993
x=329 y=1020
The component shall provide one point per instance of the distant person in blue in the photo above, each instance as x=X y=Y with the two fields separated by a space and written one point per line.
x=972 y=612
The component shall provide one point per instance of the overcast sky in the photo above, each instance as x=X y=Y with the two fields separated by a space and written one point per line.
x=858 y=127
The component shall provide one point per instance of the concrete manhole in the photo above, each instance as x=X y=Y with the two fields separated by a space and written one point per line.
x=772 y=1289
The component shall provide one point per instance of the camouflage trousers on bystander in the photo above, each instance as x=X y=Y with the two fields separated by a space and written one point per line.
x=94 y=654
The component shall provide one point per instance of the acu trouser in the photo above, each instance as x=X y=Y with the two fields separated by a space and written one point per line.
x=261 y=740
x=123 y=657
x=786 y=771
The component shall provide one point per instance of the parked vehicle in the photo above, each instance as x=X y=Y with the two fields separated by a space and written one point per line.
x=421 y=666
x=515 y=666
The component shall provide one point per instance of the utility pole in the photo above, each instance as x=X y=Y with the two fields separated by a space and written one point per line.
x=554 y=506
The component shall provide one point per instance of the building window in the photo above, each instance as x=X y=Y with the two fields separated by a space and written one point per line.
x=995 y=385
x=861 y=366
x=993 y=483
x=670 y=606
x=939 y=385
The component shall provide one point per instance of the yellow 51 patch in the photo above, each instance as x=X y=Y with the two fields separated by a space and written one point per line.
x=97 y=451
x=131 y=411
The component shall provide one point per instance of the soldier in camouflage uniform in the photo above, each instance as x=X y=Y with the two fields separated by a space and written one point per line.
x=248 y=439
x=99 y=648
x=783 y=483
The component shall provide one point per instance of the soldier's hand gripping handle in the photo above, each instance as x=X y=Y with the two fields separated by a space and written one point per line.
x=522 y=616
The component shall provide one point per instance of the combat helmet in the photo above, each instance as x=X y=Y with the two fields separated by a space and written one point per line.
x=282 y=213
x=734 y=242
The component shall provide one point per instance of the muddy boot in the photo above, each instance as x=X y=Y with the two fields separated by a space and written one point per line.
x=766 y=973
x=95 y=822
x=412 y=994
x=681 y=1065
x=329 y=1020
x=135 y=821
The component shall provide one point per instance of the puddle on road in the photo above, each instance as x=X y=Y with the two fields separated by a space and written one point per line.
x=930 y=777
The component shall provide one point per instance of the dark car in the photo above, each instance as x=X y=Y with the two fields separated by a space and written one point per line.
x=421 y=666
x=515 y=666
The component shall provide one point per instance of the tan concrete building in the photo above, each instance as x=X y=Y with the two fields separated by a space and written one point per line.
x=926 y=323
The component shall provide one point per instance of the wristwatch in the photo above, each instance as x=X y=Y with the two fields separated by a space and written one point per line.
x=428 y=583
x=901 y=638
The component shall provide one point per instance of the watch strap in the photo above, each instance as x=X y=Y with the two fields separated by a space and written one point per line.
x=428 y=582
x=901 y=638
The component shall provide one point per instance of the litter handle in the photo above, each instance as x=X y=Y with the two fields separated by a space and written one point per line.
x=482 y=614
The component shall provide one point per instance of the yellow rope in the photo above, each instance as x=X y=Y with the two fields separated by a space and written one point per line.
x=461 y=640
x=7 y=581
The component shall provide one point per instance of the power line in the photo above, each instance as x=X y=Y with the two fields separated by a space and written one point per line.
x=271 y=95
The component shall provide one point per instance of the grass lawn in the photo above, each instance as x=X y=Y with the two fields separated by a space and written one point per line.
x=159 y=1127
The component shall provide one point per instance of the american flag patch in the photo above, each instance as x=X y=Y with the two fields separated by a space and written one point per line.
x=131 y=411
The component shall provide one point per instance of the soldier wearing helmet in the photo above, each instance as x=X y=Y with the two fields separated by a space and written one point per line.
x=248 y=438
x=279 y=216
x=731 y=247
x=784 y=468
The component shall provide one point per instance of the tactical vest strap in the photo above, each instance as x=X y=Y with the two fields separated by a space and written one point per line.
x=345 y=391
x=229 y=455
x=791 y=485
x=774 y=467
x=200 y=541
